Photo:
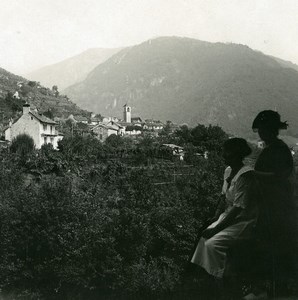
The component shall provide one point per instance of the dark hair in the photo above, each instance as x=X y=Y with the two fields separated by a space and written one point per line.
x=237 y=146
x=269 y=119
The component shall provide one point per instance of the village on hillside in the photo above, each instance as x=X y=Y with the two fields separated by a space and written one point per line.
x=49 y=129
x=44 y=130
x=46 y=126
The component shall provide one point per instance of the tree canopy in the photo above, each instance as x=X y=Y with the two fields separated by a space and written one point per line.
x=103 y=220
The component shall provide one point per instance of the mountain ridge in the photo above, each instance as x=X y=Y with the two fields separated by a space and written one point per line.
x=71 y=70
x=15 y=90
x=192 y=81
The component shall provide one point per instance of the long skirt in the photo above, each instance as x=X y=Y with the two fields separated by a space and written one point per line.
x=211 y=254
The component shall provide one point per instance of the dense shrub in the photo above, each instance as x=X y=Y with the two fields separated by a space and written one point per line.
x=80 y=223
x=12 y=103
x=23 y=145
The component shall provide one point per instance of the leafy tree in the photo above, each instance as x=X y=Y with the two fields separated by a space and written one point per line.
x=23 y=145
x=146 y=141
x=97 y=224
x=32 y=83
x=55 y=90
x=209 y=138
x=184 y=134
x=49 y=114
x=114 y=141
x=81 y=149
x=82 y=128
x=13 y=103
x=25 y=90
x=166 y=134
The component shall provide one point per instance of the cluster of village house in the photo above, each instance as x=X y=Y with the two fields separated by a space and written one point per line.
x=128 y=126
x=44 y=130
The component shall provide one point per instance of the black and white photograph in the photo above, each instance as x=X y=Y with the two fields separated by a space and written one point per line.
x=148 y=149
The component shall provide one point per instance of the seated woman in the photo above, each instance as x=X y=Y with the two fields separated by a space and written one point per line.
x=238 y=219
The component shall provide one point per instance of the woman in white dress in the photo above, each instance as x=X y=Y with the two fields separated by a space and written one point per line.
x=239 y=217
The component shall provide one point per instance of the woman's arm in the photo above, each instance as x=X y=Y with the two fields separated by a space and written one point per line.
x=221 y=203
x=220 y=208
x=227 y=221
x=264 y=175
x=241 y=196
x=271 y=175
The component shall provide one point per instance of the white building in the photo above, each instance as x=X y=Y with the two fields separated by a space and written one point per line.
x=40 y=128
x=108 y=119
x=78 y=119
x=16 y=95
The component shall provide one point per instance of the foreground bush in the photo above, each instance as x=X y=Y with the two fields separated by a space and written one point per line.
x=23 y=146
x=89 y=228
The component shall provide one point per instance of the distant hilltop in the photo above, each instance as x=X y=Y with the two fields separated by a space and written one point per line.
x=16 y=90
x=71 y=70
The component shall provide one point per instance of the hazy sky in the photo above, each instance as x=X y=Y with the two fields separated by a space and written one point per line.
x=34 y=33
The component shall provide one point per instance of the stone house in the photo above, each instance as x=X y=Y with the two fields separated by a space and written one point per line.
x=103 y=130
x=80 y=119
x=94 y=121
x=137 y=120
x=40 y=128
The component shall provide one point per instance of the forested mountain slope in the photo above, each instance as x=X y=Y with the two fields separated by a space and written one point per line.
x=187 y=80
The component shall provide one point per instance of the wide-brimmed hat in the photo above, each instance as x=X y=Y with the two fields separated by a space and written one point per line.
x=269 y=119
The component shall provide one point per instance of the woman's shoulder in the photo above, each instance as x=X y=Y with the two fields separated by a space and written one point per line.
x=246 y=173
x=281 y=150
x=245 y=170
x=277 y=149
x=280 y=145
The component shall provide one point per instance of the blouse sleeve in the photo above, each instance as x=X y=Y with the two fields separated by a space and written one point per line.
x=242 y=187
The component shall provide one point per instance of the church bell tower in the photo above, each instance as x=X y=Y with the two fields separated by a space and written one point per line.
x=127 y=113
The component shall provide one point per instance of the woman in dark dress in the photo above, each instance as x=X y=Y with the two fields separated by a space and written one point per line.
x=273 y=168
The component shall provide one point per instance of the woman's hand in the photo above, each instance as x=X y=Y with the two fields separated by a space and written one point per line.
x=208 y=233
x=211 y=220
